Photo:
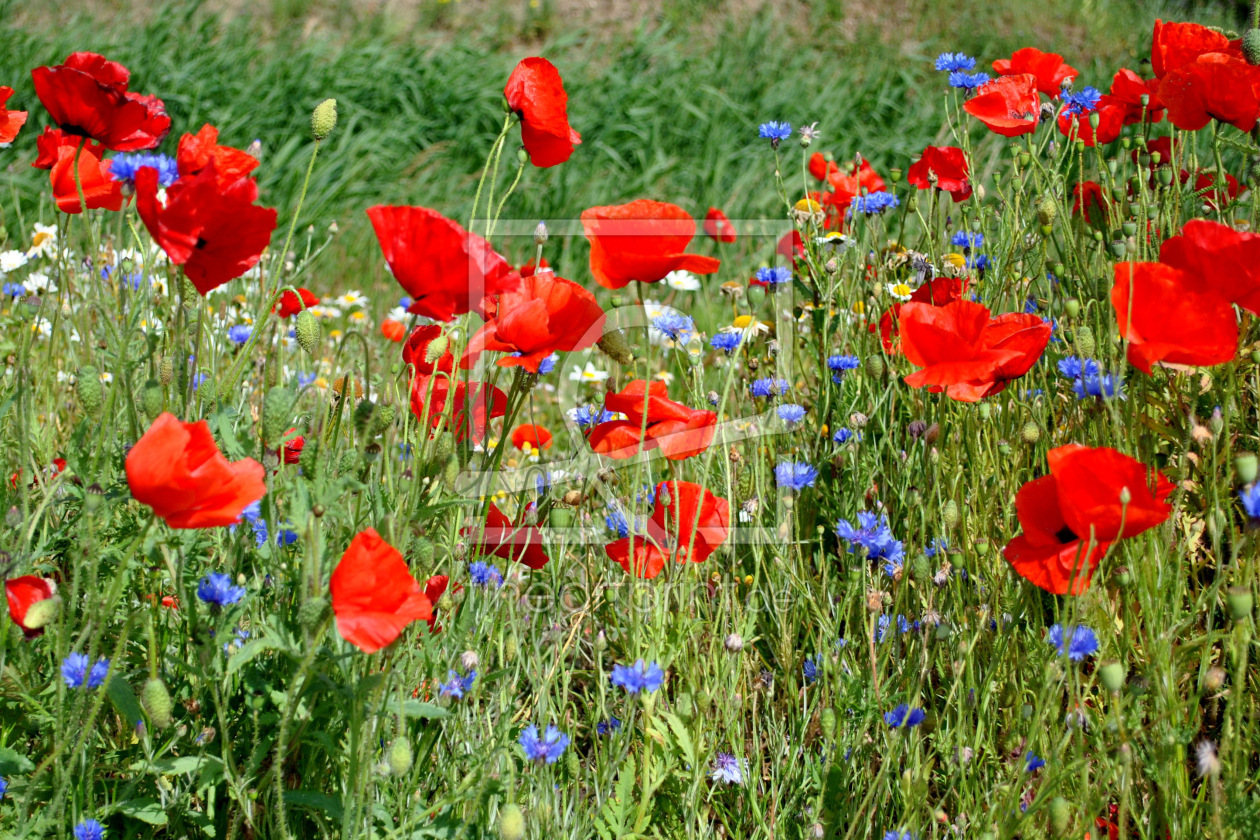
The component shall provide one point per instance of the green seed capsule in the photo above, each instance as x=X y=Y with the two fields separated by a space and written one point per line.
x=306 y=328
x=91 y=392
x=151 y=398
x=156 y=701
x=949 y=515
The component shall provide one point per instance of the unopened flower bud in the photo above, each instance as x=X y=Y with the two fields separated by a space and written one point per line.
x=1031 y=433
x=540 y=234
x=614 y=345
x=949 y=515
x=511 y=822
x=1060 y=817
x=1245 y=467
x=1085 y=342
x=734 y=643
x=1239 y=601
x=1111 y=673
x=91 y=392
x=166 y=370
x=324 y=119
x=151 y=398
x=306 y=328
x=1251 y=46
x=1047 y=210
x=156 y=701
x=399 y=759
x=875 y=366
x=277 y=411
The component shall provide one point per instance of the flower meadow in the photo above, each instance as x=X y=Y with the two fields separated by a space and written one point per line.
x=926 y=508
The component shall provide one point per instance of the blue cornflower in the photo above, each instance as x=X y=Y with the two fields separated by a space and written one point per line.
x=881 y=627
x=14 y=290
x=795 y=475
x=1250 y=498
x=843 y=435
x=89 y=830
x=1105 y=386
x=1033 y=762
x=791 y=413
x=590 y=415
x=641 y=676
x=893 y=568
x=75 y=671
x=676 y=325
x=905 y=716
x=287 y=536
x=484 y=574
x=1082 y=101
x=123 y=167
x=769 y=387
x=4 y=787
x=405 y=302
x=1082 y=643
x=980 y=263
x=873 y=203
x=810 y=670
x=617 y=522
x=607 y=727
x=968 y=81
x=240 y=333
x=217 y=590
x=839 y=364
x=727 y=768
x=727 y=342
x=774 y=277
x=198 y=379
x=304 y=379
x=1074 y=367
x=966 y=241
x=549 y=748
x=950 y=62
x=548 y=364
x=873 y=534
x=775 y=132
x=457 y=685
x=936 y=546
x=898 y=835
x=253 y=515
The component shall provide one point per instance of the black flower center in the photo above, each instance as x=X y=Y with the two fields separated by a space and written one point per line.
x=1066 y=535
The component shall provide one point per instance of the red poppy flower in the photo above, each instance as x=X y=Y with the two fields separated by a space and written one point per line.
x=426 y=356
x=1168 y=316
x=1213 y=86
x=1047 y=69
x=11 y=122
x=536 y=93
x=1221 y=259
x=1008 y=105
x=1077 y=504
x=1091 y=202
x=546 y=314
x=25 y=592
x=643 y=240
x=99 y=190
x=502 y=538
x=87 y=96
x=474 y=406
x=176 y=469
x=1174 y=45
x=688 y=523
x=291 y=304
x=48 y=147
x=215 y=232
x=964 y=352
x=1205 y=188
x=654 y=421
x=718 y=227
x=949 y=165
x=444 y=269
x=393 y=330
x=535 y=437
x=291 y=452
x=434 y=588
x=197 y=150
x=374 y=595
x=791 y=246
x=1080 y=126
x=1127 y=90
x=820 y=167
x=935 y=292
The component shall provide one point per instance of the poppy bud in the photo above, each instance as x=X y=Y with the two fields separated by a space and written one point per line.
x=1238 y=599
x=1072 y=307
x=399 y=758
x=450 y=472
x=349 y=462
x=827 y=722
x=949 y=515
x=309 y=460
x=511 y=822
x=444 y=447
x=540 y=234
x=1060 y=817
x=324 y=119
x=277 y=410
x=875 y=366
x=1085 y=342
x=1031 y=433
x=1245 y=467
x=312 y=614
x=88 y=385
x=522 y=156
x=932 y=435
x=14 y=517
x=1047 y=210
x=157 y=702
x=151 y=398
x=1251 y=46
x=1112 y=675
x=307 y=330
x=363 y=414
x=986 y=411
x=42 y=613
x=166 y=370
x=510 y=646
x=573 y=762
x=614 y=345
x=382 y=418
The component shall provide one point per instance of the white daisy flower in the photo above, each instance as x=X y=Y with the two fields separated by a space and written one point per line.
x=43 y=240
x=682 y=280
x=352 y=298
x=900 y=291
x=590 y=373
x=12 y=261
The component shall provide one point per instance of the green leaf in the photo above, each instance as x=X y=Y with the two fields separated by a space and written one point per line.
x=427 y=711
x=315 y=801
x=247 y=652
x=178 y=765
x=124 y=699
x=13 y=763
x=145 y=810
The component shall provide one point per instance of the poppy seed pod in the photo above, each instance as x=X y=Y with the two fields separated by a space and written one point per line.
x=1245 y=467
x=307 y=330
x=157 y=702
x=1240 y=602
x=1111 y=673
x=324 y=119
x=875 y=366
x=614 y=345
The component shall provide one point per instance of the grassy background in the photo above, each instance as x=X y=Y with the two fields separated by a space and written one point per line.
x=667 y=97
